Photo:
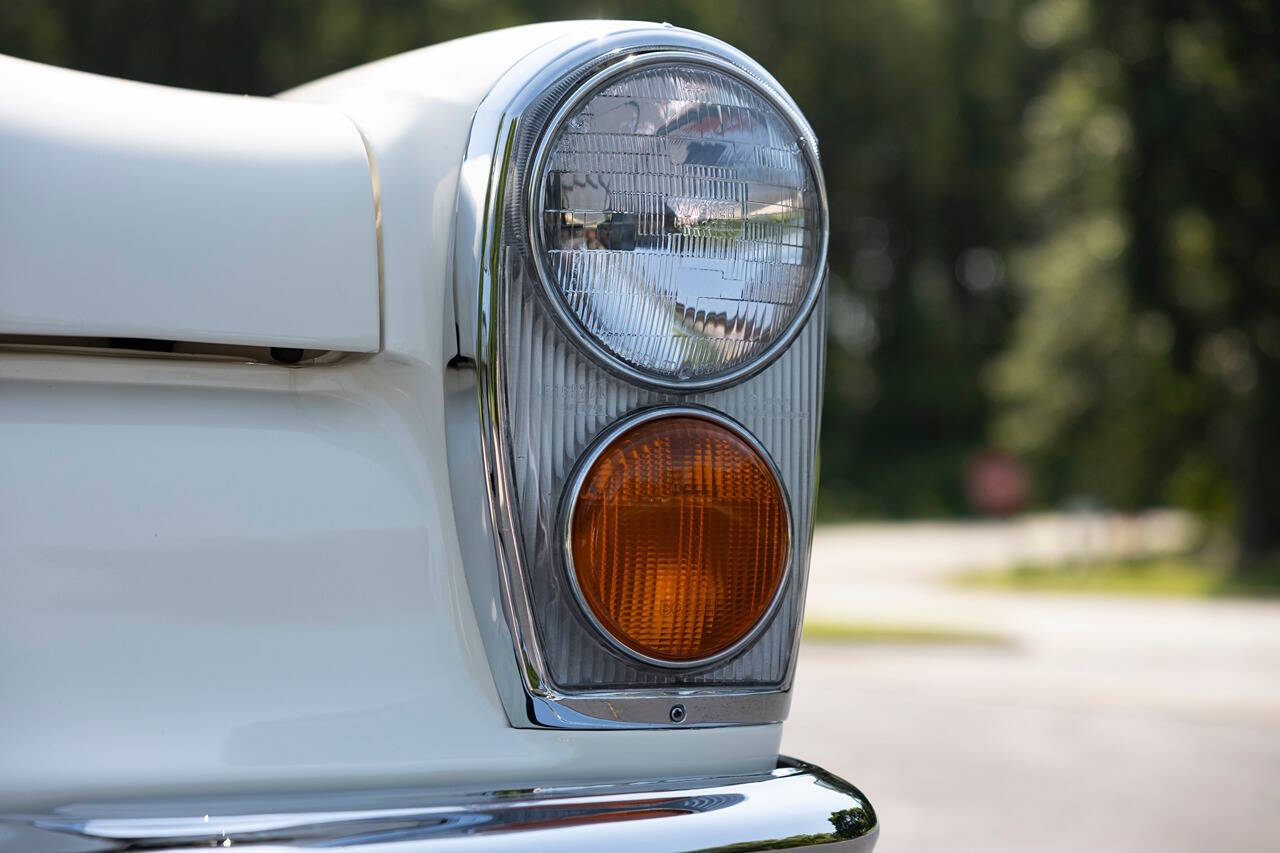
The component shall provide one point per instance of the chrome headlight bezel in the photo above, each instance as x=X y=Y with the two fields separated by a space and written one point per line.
x=493 y=456
x=586 y=89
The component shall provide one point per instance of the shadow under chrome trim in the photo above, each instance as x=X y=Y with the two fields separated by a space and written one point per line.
x=796 y=805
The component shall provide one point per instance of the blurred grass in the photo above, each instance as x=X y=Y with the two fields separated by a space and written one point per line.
x=913 y=635
x=1173 y=577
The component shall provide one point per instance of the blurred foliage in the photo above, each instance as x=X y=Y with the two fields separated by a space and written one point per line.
x=1053 y=223
x=861 y=633
x=1144 y=366
x=1164 y=577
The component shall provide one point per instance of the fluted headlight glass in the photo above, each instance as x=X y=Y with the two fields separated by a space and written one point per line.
x=679 y=220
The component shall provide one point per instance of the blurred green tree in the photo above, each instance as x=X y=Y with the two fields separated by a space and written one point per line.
x=1144 y=365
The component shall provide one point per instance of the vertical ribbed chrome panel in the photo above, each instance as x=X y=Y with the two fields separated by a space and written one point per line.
x=558 y=401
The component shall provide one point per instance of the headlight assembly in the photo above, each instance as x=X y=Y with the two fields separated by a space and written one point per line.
x=642 y=234
x=677 y=219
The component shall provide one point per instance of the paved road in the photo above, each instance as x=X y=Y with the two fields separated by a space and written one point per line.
x=1103 y=724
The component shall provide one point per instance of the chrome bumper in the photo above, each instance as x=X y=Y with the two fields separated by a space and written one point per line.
x=796 y=805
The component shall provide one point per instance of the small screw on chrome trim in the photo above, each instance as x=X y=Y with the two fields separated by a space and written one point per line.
x=677 y=713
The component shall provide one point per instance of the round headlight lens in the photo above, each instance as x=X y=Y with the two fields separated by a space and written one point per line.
x=679 y=220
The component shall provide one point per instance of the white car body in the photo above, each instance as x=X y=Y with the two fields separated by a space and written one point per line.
x=225 y=575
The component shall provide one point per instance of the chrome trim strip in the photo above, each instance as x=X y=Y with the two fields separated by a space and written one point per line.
x=497 y=579
x=795 y=805
x=565 y=316
x=574 y=485
x=377 y=233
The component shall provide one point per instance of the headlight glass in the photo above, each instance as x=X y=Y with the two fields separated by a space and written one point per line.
x=678 y=221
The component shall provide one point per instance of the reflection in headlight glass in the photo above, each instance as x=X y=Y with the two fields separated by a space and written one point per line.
x=681 y=220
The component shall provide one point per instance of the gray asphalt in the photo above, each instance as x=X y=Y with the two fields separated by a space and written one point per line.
x=1102 y=724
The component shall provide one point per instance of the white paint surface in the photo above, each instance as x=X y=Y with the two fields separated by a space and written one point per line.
x=131 y=210
x=246 y=577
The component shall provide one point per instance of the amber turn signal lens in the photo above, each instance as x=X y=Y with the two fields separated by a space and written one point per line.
x=679 y=538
